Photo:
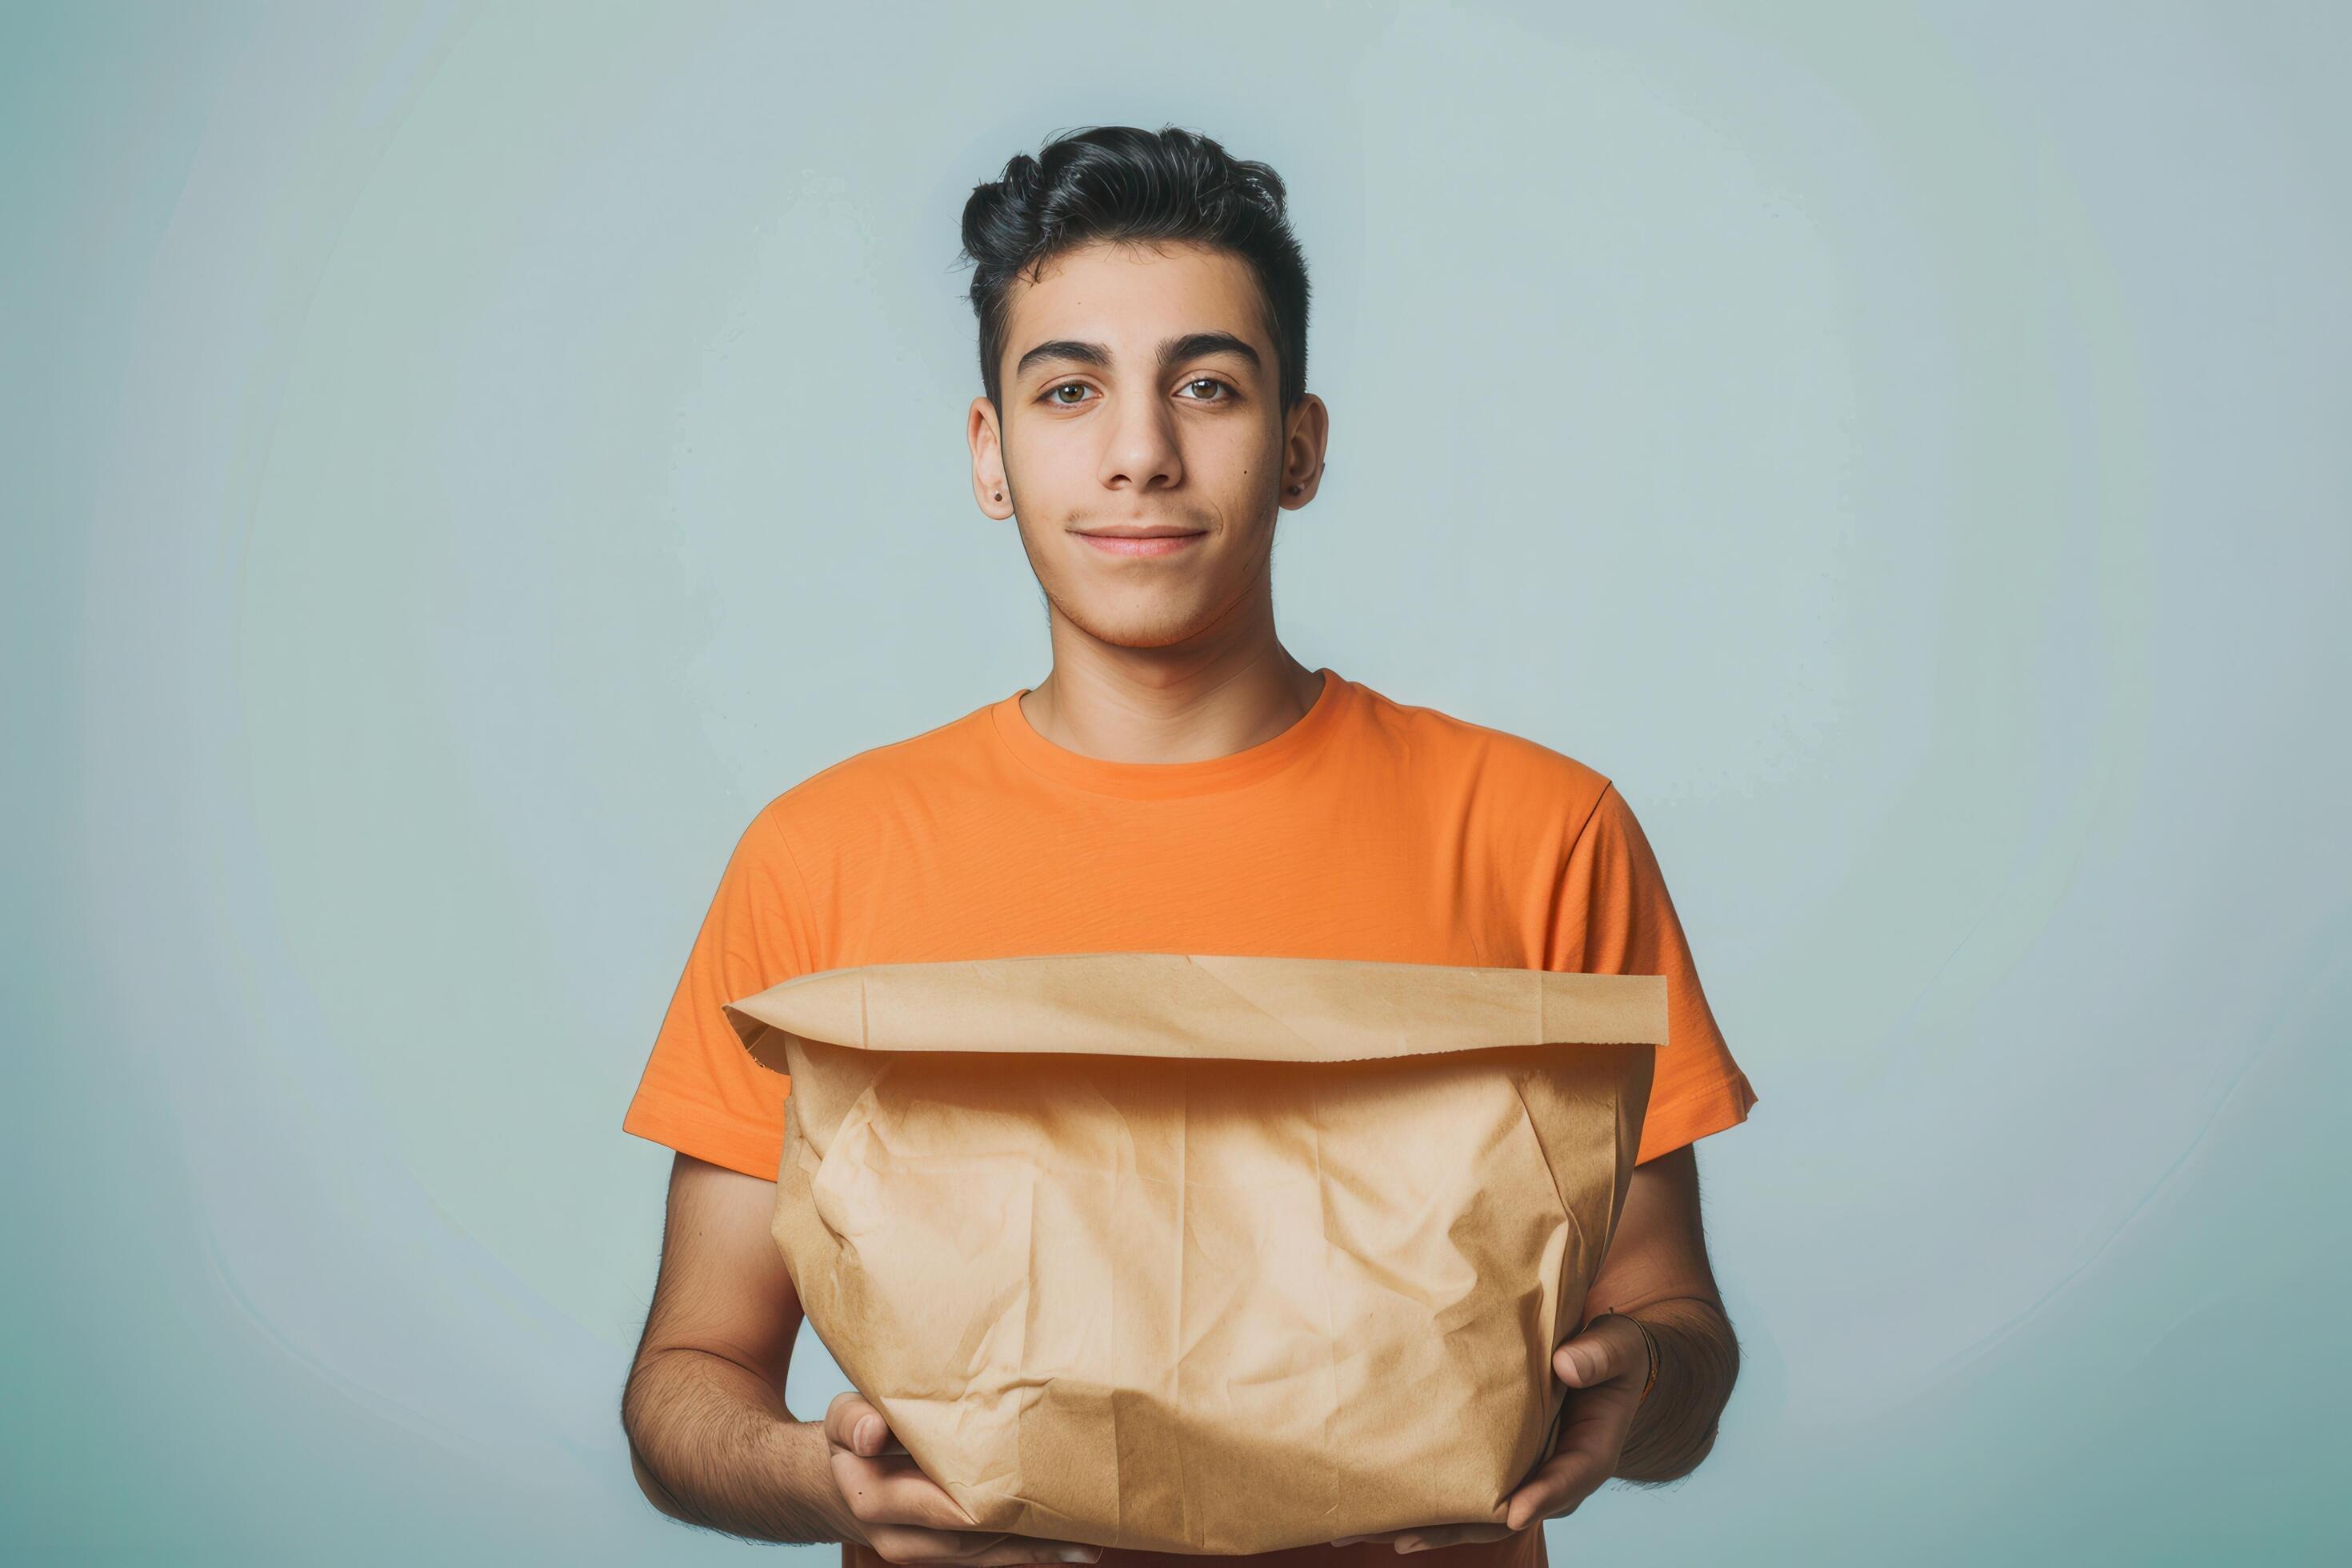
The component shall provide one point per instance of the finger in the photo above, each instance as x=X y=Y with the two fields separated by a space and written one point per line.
x=1014 y=1555
x=1450 y=1535
x=891 y=1489
x=1591 y=1441
x=1563 y=1483
x=912 y=1548
x=1428 y=1536
x=888 y=1492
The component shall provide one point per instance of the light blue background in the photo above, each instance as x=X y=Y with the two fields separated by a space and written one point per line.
x=462 y=462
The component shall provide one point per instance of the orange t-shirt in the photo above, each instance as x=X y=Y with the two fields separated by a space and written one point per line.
x=1369 y=829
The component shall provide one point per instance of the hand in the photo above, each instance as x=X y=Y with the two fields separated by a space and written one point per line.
x=1603 y=1368
x=908 y=1517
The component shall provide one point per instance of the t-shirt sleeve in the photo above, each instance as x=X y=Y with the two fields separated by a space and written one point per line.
x=1615 y=917
x=702 y=1093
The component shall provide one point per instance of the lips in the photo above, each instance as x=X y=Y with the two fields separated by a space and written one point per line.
x=1144 y=542
x=1149 y=530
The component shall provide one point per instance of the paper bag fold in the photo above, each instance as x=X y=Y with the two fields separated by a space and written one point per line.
x=1206 y=1254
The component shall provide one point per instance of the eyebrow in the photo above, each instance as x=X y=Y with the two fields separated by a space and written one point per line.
x=1187 y=345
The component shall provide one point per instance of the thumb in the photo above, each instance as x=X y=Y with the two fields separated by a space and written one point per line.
x=854 y=1424
x=1590 y=1358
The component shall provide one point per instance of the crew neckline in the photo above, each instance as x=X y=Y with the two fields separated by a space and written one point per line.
x=1162 y=781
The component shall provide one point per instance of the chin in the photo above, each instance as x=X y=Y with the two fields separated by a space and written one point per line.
x=1127 y=628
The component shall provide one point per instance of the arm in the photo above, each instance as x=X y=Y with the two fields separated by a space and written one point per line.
x=710 y=1438
x=1657 y=1270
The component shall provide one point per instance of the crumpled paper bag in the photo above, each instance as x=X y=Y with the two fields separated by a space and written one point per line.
x=1206 y=1254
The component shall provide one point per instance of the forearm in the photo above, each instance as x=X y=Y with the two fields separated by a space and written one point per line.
x=1698 y=1361
x=713 y=1445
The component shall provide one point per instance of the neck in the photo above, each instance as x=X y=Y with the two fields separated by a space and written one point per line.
x=1174 y=704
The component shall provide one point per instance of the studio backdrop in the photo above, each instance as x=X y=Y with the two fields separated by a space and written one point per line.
x=463 y=460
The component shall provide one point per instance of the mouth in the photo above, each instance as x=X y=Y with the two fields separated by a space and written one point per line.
x=1143 y=541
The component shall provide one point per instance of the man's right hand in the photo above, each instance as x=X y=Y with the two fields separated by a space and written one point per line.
x=908 y=1517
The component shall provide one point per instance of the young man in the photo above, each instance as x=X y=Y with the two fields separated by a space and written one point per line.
x=1177 y=782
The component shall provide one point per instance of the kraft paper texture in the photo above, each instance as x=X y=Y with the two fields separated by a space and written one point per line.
x=1206 y=1254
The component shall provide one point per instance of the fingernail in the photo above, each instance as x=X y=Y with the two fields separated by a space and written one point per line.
x=869 y=1430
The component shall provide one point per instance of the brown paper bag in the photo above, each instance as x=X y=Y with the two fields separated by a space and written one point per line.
x=1206 y=1254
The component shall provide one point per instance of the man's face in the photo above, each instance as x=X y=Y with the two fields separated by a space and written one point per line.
x=1142 y=392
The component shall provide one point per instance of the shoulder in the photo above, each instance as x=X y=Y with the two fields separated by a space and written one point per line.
x=1511 y=769
x=938 y=762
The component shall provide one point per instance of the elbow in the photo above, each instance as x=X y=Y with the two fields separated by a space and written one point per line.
x=650 y=1484
x=633 y=1397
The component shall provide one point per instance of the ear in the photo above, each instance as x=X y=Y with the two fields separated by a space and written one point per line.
x=990 y=487
x=1304 y=449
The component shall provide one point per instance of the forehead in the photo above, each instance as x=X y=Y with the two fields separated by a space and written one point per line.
x=1129 y=298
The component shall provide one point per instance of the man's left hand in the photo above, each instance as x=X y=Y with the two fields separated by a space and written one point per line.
x=1603 y=1368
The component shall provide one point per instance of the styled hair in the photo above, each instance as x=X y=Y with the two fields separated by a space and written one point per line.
x=1119 y=183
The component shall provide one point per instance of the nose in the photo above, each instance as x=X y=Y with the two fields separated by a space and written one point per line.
x=1141 y=452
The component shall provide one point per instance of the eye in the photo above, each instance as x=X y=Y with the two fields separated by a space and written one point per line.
x=1060 y=402
x=1211 y=381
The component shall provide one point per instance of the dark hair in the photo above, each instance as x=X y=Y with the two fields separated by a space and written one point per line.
x=1119 y=183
